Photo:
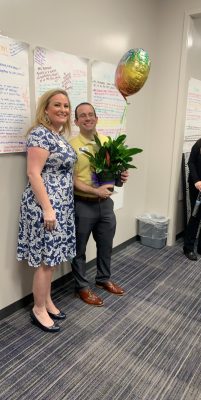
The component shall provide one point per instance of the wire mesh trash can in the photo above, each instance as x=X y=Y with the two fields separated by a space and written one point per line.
x=153 y=230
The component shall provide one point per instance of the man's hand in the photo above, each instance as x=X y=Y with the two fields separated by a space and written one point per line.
x=124 y=176
x=103 y=191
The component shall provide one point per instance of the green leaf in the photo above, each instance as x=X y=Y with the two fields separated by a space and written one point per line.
x=120 y=155
x=97 y=140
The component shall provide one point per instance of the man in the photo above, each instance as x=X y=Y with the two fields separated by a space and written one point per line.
x=194 y=164
x=93 y=212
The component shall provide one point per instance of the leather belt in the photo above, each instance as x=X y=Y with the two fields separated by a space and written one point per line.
x=88 y=199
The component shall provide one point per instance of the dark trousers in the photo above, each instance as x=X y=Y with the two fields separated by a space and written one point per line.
x=99 y=219
x=193 y=223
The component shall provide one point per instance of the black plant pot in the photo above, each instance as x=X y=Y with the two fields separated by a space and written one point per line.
x=118 y=181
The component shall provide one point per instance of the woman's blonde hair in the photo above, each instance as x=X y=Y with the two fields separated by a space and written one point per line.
x=41 y=116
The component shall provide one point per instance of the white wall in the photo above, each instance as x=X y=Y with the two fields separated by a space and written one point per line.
x=169 y=96
x=194 y=52
x=96 y=30
x=192 y=70
x=104 y=31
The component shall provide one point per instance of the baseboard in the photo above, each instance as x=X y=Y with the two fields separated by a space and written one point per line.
x=27 y=300
x=116 y=249
x=22 y=303
x=125 y=244
x=180 y=235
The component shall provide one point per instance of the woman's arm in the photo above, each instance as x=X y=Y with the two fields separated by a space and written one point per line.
x=36 y=159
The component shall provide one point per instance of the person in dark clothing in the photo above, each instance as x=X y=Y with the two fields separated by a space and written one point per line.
x=194 y=180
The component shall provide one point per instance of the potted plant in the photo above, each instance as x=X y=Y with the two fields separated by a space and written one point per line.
x=110 y=159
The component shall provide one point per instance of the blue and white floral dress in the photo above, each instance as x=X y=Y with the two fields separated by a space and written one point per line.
x=35 y=243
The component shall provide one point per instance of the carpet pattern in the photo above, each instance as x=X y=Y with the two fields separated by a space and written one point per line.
x=144 y=345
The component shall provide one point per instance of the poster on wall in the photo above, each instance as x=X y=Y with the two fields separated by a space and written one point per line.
x=110 y=107
x=14 y=95
x=109 y=103
x=55 y=69
x=193 y=115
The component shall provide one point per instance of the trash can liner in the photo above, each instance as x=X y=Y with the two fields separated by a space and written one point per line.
x=153 y=229
x=153 y=219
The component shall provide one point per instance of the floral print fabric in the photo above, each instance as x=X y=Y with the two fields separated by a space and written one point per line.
x=35 y=243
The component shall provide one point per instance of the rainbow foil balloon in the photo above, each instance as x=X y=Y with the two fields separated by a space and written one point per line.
x=132 y=71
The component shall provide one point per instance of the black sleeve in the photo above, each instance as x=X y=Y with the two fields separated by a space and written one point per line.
x=193 y=162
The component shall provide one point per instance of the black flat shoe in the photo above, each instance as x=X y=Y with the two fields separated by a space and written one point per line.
x=53 y=329
x=61 y=315
x=190 y=255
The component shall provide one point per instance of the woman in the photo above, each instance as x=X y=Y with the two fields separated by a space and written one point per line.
x=46 y=226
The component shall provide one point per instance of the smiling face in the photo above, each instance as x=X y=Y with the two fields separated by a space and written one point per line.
x=58 y=111
x=86 y=120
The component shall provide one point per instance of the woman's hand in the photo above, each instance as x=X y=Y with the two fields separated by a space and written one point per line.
x=49 y=217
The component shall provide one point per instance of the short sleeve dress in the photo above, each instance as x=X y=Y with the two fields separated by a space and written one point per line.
x=35 y=243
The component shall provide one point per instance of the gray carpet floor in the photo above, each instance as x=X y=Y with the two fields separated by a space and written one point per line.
x=144 y=345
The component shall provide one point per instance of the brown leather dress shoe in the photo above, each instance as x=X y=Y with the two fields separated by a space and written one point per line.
x=111 y=287
x=89 y=297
